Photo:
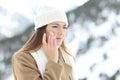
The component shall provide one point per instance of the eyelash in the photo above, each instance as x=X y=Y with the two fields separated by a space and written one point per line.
x=57 y=27
x=64 y=27
x=54 y=26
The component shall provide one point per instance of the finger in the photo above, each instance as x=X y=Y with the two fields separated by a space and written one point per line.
x=49 y=38
x=55 y=43
x=44 y=39
x=52 y=39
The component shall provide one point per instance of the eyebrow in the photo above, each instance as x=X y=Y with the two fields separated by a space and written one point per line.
x=57 y=24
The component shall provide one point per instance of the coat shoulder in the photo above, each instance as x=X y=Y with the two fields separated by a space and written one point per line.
x=23 y=56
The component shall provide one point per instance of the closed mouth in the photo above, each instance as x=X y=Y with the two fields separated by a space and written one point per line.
x=59 y=38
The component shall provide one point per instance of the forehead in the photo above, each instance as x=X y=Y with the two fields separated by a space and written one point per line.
x=57 y=23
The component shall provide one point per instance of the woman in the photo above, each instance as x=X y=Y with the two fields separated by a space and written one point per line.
x=44 y=56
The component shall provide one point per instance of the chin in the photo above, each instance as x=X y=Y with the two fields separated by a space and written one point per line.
x=59 y=44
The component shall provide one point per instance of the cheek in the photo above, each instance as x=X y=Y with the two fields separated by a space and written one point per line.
x=48 y=33
x=55 y=33
x=64 y=33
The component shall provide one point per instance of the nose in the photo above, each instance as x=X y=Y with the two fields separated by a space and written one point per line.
x=61 y=31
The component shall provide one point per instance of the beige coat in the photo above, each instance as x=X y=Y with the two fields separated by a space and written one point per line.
x=25 y=68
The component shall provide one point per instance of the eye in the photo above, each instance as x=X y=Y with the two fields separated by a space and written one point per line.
x=54 y=26
x=64 y=27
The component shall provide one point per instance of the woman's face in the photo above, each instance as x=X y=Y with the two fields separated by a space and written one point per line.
x=58 y=28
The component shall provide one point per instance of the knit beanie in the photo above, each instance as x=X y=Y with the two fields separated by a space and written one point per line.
x=48 y=15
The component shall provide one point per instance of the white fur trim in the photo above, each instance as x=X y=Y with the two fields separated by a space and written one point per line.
x=41 y=61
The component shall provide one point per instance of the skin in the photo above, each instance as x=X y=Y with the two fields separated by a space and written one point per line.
x=53 y=38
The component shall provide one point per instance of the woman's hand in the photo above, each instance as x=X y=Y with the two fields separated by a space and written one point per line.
x=50 y=47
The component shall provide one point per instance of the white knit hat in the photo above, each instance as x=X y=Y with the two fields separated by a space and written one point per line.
x=48 y=15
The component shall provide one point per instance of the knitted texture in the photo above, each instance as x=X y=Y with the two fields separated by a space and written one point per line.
x=48 y=15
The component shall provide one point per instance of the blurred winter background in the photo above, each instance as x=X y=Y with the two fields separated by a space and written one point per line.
x=93 y=35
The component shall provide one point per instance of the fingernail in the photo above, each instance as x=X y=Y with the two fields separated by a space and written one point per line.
x=51 y=33
x=54 y=37
x=44 y=34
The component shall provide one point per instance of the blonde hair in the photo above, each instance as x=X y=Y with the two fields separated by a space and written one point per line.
x=35 y=42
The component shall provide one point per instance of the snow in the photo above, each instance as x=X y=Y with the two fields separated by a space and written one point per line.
x=28 y=9
x=90 y=64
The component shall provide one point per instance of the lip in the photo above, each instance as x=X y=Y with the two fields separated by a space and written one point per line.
x=59 y=38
